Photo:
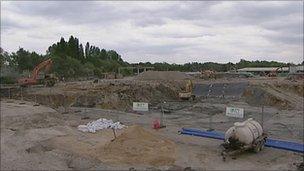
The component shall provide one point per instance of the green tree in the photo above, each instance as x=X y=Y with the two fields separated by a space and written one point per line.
x=88 y=69
x=67 y=67
x=3 y=57
x=25 y=60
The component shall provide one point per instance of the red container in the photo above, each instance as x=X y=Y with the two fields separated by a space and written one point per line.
x=156 y=124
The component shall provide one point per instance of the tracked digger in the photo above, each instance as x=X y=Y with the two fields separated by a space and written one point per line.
x=49 y=80
x=187 y=94
x=208 y=74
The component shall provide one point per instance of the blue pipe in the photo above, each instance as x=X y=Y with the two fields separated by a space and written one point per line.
x=274 y=143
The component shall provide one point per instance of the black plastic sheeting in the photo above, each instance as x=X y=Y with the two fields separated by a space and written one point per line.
x=220 y=89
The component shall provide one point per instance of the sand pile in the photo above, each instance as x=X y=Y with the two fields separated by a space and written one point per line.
x=163 y=75
x=139 y=146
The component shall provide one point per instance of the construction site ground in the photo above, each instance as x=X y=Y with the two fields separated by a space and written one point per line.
x=46 y=136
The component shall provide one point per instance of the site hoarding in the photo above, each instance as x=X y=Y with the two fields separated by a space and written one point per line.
x=235 y=112
x=140 y=106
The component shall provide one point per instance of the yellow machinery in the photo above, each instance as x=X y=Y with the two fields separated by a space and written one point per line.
x=208 y=74
x=187 y=94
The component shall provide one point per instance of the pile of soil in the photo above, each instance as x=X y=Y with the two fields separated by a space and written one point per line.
x=163 y=75
x=259 y=96
x=139 y=146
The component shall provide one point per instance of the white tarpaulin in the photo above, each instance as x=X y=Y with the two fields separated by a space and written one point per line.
x=99 y=124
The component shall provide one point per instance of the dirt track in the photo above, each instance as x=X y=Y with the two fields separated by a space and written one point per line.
x=39 y=137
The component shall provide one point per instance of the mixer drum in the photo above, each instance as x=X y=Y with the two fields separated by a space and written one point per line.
x=245 y=132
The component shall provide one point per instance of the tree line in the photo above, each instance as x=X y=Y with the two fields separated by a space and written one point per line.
x=195 y=66
x=72 y=60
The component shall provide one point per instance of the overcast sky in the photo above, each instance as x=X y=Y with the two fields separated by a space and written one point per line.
x=169 y=31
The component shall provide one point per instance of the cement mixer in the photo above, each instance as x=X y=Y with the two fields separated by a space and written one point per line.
x=247 y=135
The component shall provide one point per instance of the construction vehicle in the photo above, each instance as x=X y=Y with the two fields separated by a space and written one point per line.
x=49 y=79
x=187 y=94
x=208 y=74
x=247 y=135
x=274 y=73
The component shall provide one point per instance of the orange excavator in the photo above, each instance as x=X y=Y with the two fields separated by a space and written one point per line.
x=49 y=79
x=275 y=72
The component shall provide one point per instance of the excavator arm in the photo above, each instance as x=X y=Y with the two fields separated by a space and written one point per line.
x=46 y=65
x=275 y=72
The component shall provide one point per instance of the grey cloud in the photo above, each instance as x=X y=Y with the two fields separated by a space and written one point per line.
x=183 y=10
x=271 y=17
x=242 y=13
x=263 y=12
x=91 y=11
x=285 y=20
x=146 y=48
x=287 y=39
x=73 y=12
x=7 y=24
x=192 y=10
x=149 y=21
x=287 y=25
x=255 y=14
x=181 y=35
x=94 y=12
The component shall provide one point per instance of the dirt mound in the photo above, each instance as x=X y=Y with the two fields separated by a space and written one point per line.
x=139 y=146
x=259 y=96
x=162 y=75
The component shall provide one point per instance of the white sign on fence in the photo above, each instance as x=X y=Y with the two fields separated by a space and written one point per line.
x=140 y=106
x=235 y=112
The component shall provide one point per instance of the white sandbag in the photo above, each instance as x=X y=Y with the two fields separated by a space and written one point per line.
x=99 y=124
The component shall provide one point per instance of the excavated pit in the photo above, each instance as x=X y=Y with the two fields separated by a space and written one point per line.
x=115 y=95
x=40 y=137
x=120 y=95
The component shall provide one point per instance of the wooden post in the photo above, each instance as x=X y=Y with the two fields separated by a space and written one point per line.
x=65 y=103
x=162 y=115
x=9 y=93
x=50 y=93
x=114 y=134
x=36 y=104
x=21 y=94
x=262 y=120
x=210 y=123
x=86 y=104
